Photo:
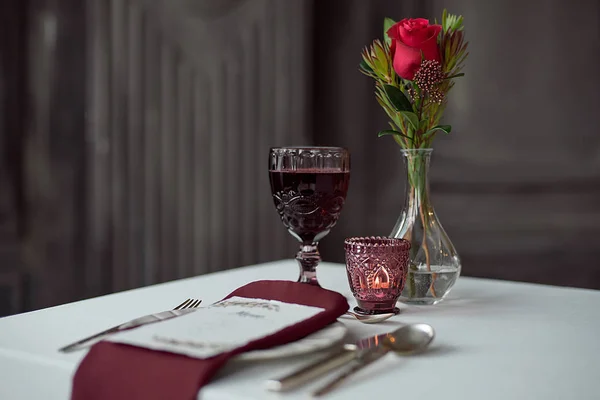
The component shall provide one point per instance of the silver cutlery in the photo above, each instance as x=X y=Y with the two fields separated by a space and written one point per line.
x=187 y=306
x=324 y=365
x=409 y=339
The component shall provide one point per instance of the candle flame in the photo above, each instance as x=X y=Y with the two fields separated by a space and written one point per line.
x=382 y=279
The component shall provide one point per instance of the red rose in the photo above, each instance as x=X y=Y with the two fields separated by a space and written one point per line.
x=410 y=37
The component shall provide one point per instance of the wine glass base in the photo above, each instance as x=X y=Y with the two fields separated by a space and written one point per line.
x=312 y=282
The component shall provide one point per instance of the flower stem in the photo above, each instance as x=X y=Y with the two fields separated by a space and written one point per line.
x=417 y=176
x=426 y=250
x=411 y=277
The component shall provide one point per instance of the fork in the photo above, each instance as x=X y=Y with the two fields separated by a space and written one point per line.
x=187 y=306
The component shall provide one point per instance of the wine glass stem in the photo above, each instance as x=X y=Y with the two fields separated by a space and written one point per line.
x=308 y=258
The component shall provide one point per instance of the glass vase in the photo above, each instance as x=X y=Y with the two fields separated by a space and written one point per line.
x=434 y=264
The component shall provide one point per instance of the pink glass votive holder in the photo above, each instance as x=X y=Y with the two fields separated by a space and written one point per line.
x=377 y=269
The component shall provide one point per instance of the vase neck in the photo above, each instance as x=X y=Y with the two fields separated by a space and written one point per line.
x=416 y=165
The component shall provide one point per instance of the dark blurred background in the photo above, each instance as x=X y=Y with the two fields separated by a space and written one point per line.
x=134 y=137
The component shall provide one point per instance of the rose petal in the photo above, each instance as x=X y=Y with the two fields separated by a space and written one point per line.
x=413 y=32
x=406 y=60
x=393 y=31
x=430 y=47
x=435 y=30
x=419 y=22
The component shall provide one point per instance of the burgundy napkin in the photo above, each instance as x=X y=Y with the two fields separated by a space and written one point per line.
x=118 y=371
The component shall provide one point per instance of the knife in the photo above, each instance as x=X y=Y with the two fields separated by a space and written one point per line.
x=317 y=369
x=366 y=358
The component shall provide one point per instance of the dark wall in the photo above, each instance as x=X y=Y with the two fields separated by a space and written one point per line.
x=53 y=149
x=12 y=111
x=516 y=185
x=42 y=89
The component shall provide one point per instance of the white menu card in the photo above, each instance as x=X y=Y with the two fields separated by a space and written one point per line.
x=218 y=328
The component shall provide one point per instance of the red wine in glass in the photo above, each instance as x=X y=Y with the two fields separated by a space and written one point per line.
x=309 y=202
x=309 y=187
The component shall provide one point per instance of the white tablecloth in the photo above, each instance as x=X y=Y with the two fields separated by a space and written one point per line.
x=495 y=340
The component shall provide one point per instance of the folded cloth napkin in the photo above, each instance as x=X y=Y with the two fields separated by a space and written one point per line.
x=117 y=371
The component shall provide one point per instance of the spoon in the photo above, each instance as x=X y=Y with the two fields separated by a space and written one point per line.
x=409 y=339
x=370 y=319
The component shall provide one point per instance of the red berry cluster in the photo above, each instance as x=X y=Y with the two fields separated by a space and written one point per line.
x=428 y=77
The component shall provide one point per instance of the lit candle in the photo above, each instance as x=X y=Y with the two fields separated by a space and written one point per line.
x=382 y=279
x=385 y=282
x=376 y=284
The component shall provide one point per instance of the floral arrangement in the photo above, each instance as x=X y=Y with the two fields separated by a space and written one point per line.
x=414 y=68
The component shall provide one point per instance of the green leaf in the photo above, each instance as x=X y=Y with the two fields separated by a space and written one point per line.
x=381 y=57
x=392 y=132
x=454 y=76
x=397 y=98
x=444 y=128
x=387 y=24
x=365 y=67
x=411 y=117
x=444 y=20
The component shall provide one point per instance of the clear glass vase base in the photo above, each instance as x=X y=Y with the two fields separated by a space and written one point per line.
x=423 y=301
x=428 y=287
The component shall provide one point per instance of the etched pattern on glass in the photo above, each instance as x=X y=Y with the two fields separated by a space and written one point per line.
x=304 y=210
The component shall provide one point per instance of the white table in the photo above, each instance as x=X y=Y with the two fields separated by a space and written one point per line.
x=495 y=340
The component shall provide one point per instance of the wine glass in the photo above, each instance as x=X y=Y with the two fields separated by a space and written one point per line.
x=309 y=186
